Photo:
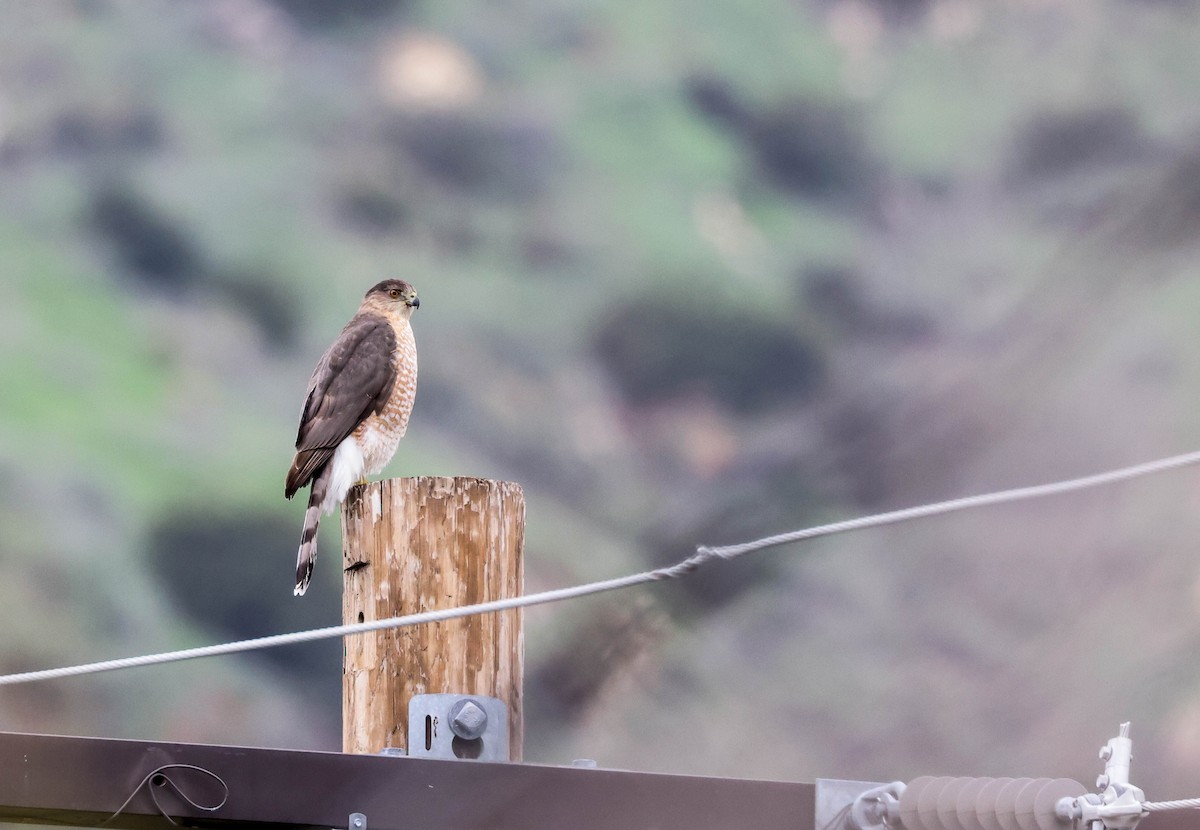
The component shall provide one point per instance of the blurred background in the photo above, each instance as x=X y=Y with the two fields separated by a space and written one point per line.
x=691 y=272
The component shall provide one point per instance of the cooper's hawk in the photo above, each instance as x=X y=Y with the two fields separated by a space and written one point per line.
x=356 y=409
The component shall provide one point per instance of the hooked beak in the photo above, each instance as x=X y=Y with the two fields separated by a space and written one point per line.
x=415 y=302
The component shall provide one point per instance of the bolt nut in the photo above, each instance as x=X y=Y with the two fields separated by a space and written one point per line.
x=1102 y=782
x=468 y=720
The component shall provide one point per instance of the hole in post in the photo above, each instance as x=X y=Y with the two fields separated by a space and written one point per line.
x=158 y=781
x=428 y=732
x=467 y=749
x=360 y=616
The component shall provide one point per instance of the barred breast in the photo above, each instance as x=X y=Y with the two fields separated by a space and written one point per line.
x=380 y=434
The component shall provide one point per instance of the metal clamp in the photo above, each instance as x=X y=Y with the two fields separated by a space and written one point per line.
x=857 y=805
x=1119 y=804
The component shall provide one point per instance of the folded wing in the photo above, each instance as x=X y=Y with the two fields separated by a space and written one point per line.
x=353 y=379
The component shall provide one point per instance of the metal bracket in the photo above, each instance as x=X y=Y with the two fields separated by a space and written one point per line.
x=467 y=727
x=358 y=821
x=853 y=805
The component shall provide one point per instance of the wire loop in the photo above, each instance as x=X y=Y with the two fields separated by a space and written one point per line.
x=156 y=779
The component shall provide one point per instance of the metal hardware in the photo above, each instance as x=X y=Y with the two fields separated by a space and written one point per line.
x=358 y=821
x=468 y=720
x=1119 y=804
x=946 y=803
x=854 y=805
x=466 y=727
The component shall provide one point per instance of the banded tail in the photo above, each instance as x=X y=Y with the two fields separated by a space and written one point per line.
x=307 y=553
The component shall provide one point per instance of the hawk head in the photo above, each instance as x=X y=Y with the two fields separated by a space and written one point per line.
x=392 y=297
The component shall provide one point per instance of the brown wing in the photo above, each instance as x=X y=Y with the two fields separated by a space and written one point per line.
x=353 y=379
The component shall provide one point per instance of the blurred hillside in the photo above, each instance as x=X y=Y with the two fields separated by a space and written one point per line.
x=691 y=273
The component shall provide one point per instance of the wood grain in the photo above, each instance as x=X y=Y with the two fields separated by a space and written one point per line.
x=419 y=544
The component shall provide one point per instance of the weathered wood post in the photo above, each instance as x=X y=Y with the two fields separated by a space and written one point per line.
x=418 y=544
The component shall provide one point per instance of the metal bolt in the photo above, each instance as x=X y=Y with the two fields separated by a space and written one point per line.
x=1106 y=752
x=467 y=719
x=1066 y=810
x=586 y=763
x=1102 y=782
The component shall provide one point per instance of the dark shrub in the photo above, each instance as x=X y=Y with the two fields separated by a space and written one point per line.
x=261 y=298
x=1053 y=143
x=718 y=101
x=812 y=148
x=372 y=210
x=807 y=147
x=82 y=132
x=319 y=15
x=477 y=154
x=232 y=574
x=656 y=350
x=155 y=249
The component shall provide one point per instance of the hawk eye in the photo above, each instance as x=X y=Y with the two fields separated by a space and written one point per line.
x=395 y=293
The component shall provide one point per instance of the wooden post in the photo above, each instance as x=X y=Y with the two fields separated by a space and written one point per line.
x=418 y=544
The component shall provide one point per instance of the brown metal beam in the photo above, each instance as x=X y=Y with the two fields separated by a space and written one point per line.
x=47 y=779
